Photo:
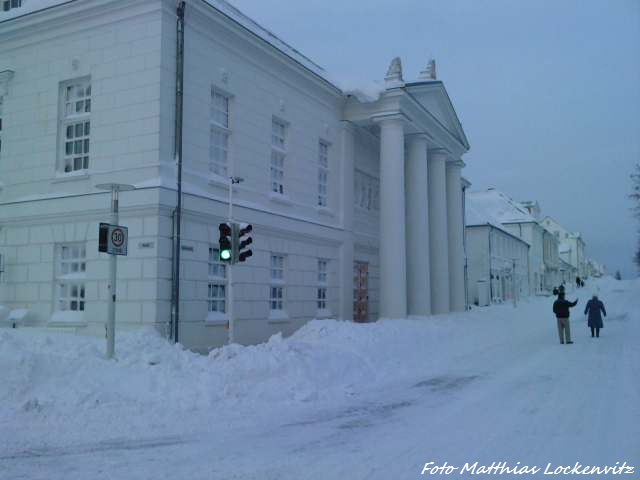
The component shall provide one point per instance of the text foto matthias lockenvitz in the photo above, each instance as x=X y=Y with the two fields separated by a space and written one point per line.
x=504 y=468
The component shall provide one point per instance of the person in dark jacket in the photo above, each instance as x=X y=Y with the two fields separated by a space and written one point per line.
x=561 y=309
x=593 y=309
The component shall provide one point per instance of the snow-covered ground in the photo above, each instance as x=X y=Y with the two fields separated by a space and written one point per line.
x=335 y=401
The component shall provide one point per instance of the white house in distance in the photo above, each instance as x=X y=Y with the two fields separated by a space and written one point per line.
x=567 y=271
x=345 y=192
x=572 y=246
x=517 y=220
x=550 y=244
x=498 y=261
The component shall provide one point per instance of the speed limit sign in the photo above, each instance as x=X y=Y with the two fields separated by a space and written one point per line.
x=113 y=239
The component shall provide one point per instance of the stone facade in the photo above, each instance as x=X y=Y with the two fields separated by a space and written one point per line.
x=329 y=178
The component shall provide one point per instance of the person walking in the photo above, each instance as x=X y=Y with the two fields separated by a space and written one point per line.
x=593 y=309
x=561 y=309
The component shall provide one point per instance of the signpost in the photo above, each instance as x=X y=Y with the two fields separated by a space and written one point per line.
x=112 y=239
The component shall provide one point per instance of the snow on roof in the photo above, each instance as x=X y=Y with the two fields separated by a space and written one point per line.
x=500 y=206
x=364 y=92
x=477 y=215
x=237 y=16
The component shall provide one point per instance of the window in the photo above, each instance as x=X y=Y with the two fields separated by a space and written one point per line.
x=9 y=4
x=219 y=134
x=76 y=125
x=217 y=288
x=323 y=173
x=278 y=155
x=71 y=277
x=322 y=284
x=276 y=297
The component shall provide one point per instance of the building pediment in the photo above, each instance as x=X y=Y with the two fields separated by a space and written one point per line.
x=433 y=96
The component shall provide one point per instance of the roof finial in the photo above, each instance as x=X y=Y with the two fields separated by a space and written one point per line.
x=429 y=72
x=393 y=79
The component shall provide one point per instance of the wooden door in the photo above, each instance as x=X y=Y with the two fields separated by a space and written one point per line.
x=360 y=291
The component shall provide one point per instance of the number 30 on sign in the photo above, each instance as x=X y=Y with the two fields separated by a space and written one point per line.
x=113 y=239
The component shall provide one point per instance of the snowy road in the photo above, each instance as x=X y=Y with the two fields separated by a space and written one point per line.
x=495 y=387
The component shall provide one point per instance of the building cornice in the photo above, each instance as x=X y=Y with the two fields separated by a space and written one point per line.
x=211 y=13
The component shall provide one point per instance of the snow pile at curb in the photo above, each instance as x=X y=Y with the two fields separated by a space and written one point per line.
x=64 y=374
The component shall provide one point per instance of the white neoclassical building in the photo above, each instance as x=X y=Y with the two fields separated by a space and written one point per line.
x=355 y=201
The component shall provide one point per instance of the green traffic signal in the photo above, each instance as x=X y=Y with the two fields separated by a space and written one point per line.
x=225 y=243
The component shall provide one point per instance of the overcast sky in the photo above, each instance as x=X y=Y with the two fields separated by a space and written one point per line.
x=548 y=91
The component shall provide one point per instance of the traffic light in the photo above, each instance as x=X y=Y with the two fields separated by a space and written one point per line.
x=226 y=243
x=243 y=241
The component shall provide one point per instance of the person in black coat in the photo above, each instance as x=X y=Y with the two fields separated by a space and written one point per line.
x=561 y=309
x=593 y=309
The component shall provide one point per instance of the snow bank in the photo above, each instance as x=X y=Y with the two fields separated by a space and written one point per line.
x=325 y=360
x=64 y=381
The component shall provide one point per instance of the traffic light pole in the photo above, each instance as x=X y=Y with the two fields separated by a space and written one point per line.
x=232 y=182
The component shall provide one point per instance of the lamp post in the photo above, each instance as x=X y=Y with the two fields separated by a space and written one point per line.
x=115 y=188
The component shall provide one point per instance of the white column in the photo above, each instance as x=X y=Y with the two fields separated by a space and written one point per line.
x=438 y=233
x=455 y=226
x=393 y=271
x=416 y=181
x=346 y=170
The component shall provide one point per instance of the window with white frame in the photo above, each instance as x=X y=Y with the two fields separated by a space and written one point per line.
x=278 y=155
x=217 y=288
x=323 y=173
x=71 y=277
x=323 y=282
x=220 y=133
x=9 y=4
x=276 y=296
x=75 y=125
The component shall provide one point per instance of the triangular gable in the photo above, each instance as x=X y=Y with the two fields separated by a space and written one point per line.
x=434 y=98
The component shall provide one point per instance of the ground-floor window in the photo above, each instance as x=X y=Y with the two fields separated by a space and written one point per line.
x=217 y=287
x=71 y=277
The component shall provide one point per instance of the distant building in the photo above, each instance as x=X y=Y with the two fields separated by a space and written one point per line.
x=550 y=244
x=336 y=182
x=572 y=245
x=595 y=269
x=498 y=261
x=517 y=220
x=567 y=274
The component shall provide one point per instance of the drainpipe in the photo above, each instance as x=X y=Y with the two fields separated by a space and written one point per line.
x=178 y=155
x=490 y=263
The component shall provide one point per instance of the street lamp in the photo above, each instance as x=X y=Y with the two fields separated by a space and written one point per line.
x=114 y=188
